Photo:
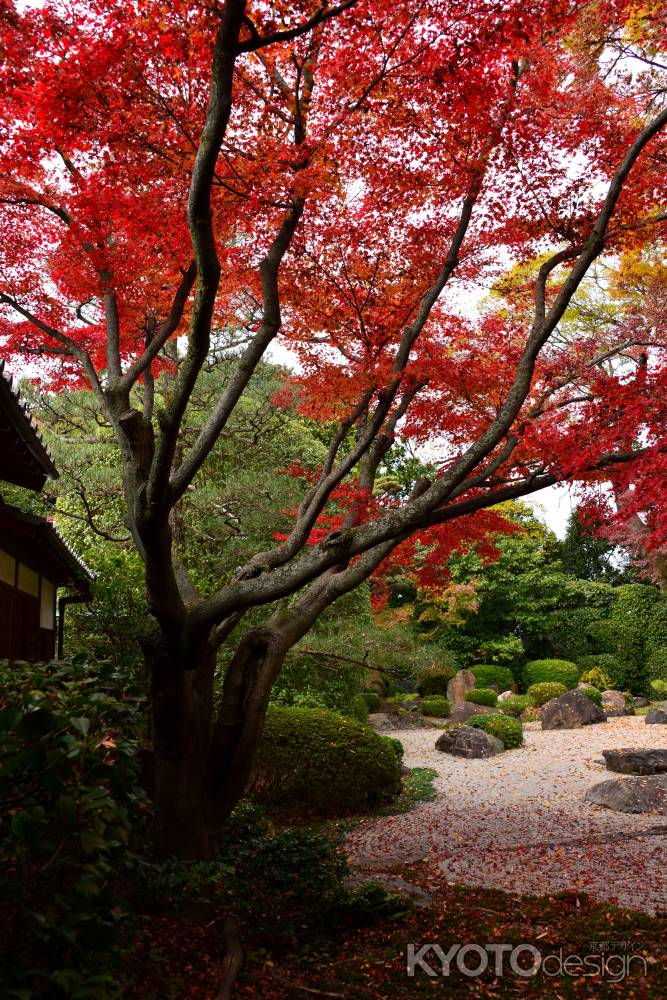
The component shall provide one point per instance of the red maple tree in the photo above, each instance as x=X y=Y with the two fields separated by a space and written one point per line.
x=347 y=177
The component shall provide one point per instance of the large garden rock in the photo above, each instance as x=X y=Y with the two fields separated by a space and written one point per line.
x=464 y=741
x=656 y=717
x=613 y=701
x=636 y=761
x=505 y=695
x=571 y=711
x=465 y=710
x=631 y=795
x=640 y=702
x=460 y=684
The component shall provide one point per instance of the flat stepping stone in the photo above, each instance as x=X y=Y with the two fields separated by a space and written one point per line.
x=636 y=761
x=631 y=795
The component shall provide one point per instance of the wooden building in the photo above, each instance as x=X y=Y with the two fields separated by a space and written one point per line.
x=35 y=560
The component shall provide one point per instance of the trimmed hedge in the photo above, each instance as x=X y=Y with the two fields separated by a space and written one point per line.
x=493 y=675
x=434 y=683
x=594 y=694
x=540 y=694
x=320 y=763
x=516 y=705
x=659 y=689
x=609 y=664
x=373 y=700
x=509 y=731
x=482 y=696
x=559 y=671
x=437 y=706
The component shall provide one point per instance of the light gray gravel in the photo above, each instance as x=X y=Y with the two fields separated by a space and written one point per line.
x=519 y=821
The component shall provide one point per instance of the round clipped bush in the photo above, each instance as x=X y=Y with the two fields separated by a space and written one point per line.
x=373 y=700
x=594 y=694
x=559 y=671
x=322 y=764
x=609 y=664
x=434 y=682
x=437 y=706
x=509 y=731
x=598 y=678
x=540 y=694
x=482 y=696
x=493 y=675
x=516 y=705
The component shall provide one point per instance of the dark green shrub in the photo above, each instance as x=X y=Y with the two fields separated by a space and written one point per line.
x=493 y=675
x=594 y=694
x=509 y=731
x=320 y=763
x=437 y=706
x=395 y=746
x=515 y=705
x=434 y=682
x=608 y=664
x=373 y=700
x=70 y=795
x=633 y=618
x=598 y=678
x=359 y=708
x=482 y=696
x=656 y=664
x=540 y=694
x=559 y=671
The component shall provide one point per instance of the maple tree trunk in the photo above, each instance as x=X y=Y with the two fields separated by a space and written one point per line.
x=238 y=728
x=181 y=714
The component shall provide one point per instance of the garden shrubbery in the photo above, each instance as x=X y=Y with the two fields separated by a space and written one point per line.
x=594 y=694
x=437 y=706
x=558 y=671
x=70 y=801
x=320 y=763
x=540 y=694
x=373 y=700
x=516 y=705
x=434 y=681
x=493 y=675
x=610 y=666
x=508 y=730
x=482 y=696
x=598 y=678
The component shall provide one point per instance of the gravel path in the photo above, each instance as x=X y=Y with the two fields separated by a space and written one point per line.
x=519 y=821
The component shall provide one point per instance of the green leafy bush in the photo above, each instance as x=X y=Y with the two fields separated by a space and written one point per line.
x=560 y=671
x=656 y=664
x=493 y=675
x=597 y=678
x=373 y=700
x=395 y=746
x=70 y=795
x=482 y=696
x=516 y=705
x=540 y=694
x=434 y=682
x=359 y=708
x=437 y=706
x=508 y=730
x=608 y=664
x=594 y=694
x=322 y=764
x=659 y=689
